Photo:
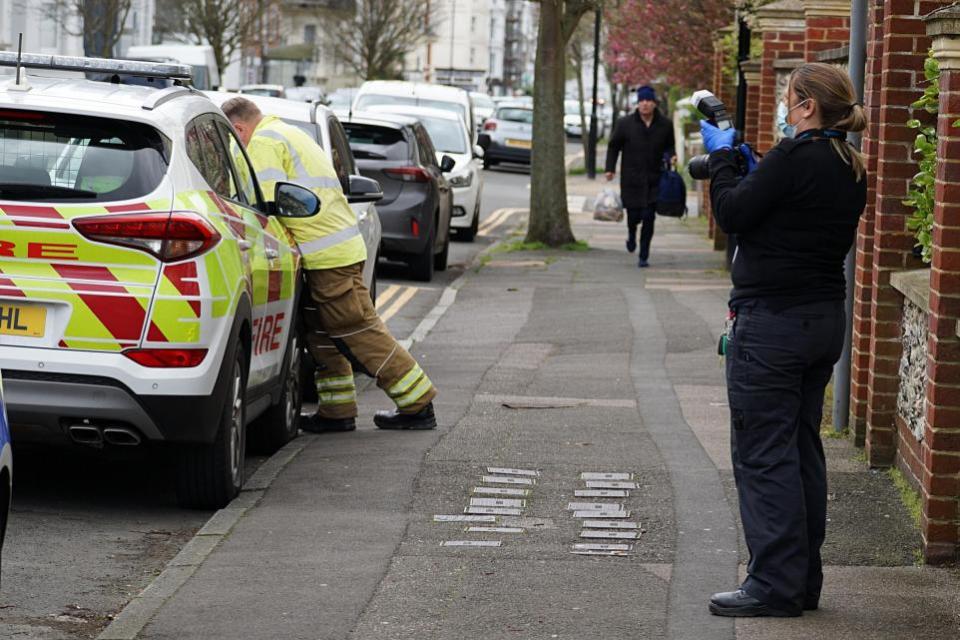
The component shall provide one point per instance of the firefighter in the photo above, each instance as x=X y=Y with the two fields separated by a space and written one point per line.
x=343 y=325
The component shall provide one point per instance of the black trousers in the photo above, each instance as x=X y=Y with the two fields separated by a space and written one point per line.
x=778 y=365
x=644 y=217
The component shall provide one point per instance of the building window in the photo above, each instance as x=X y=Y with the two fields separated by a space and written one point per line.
x=473 y=24
x=310 y=34
x=473 y=56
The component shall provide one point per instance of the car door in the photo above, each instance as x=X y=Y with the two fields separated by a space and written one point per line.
x=274 y=264
x=428 y=158
x=366 y=213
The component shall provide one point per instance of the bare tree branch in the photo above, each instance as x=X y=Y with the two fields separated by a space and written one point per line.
x=382 y=33
x=226 y=25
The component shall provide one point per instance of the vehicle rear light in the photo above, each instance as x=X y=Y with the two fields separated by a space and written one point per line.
x=408 y=174
x=489 y=125
x=414 y=227
x=167 y=358
x=167 y=236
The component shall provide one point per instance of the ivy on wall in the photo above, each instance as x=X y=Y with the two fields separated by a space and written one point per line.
x=921 y=194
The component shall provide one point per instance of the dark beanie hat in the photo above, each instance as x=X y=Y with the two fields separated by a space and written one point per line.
x=646 y=92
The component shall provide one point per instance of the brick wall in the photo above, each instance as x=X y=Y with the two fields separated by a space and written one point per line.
x=940 y=447
x=905 y=46
x=863 y=286
x=782 y=30
x=751 y=72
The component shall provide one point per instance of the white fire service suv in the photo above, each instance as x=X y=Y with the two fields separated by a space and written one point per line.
x=148 y=293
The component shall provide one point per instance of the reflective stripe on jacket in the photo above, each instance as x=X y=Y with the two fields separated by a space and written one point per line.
x=283 y=153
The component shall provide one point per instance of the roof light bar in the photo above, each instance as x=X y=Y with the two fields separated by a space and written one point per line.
x=97 y=65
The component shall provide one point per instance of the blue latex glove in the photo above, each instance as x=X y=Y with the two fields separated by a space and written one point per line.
x=715 y=139
x=751 y=159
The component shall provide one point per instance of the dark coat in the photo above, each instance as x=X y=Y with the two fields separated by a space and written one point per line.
x=643 y=149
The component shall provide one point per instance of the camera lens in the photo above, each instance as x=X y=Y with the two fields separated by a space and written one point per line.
x=699 y=167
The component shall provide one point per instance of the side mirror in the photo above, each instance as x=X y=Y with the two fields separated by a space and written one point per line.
x=364 y=190
x=478 y=152
x=483 y=141
x=447 y=164
x=293 y=201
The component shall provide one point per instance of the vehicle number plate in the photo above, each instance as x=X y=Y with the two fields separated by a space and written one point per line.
x=22 y=319
x=523 y=144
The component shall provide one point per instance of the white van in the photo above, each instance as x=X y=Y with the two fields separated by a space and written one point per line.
x=376 y=93
x=199 y=56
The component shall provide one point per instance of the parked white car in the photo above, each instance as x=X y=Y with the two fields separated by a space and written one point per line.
x=483 y=106
x=450 y=138
x=374 y=93
x=323 y=126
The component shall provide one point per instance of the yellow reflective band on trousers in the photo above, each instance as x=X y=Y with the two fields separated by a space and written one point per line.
x=333 y=390
x=283 y=153
x=411 y=388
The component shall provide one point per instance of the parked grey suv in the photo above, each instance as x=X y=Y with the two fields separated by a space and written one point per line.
x=397 y=152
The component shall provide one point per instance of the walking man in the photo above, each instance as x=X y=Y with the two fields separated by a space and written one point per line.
x=343 y=325
x=645 y=138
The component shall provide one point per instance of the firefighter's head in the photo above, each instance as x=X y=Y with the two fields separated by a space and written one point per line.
x=244 y=115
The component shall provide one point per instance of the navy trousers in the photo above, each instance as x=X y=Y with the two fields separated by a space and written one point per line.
x=643 y=217
x=778 y=365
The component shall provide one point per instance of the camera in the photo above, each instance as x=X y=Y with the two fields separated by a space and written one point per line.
x=716 y=113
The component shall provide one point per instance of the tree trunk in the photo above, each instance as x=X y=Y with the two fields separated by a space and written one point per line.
x=549 y=218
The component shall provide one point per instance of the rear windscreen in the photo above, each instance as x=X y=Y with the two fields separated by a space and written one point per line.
x=370 y=142
x=508 y=114
x=60 y=157
x=374 y=100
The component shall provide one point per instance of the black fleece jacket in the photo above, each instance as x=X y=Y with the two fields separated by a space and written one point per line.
x=795 y=218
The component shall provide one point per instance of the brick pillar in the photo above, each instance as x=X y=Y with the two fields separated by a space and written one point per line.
x=863 y=285
x=827 y=26
x=782 y=29
x=940 y=519
x=721 y=89
x=905 y=46
x=751 y=72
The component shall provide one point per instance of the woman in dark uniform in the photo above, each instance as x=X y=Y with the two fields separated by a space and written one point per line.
x=795 y=217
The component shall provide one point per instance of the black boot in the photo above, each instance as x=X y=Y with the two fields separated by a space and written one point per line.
x=740 y=604
x=318 y=424
x=423 y=419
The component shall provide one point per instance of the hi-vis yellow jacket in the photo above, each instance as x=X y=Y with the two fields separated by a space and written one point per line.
x=282 y=152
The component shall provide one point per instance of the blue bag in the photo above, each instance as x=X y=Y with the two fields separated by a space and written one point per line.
x=672 y=194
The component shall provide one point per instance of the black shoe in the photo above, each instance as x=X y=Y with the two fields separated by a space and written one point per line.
x=643 y=264
x=740 y=604
x=631 y=245
x=423 y=419
x=317 y=424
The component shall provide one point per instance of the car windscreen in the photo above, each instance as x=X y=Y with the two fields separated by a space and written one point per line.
x=61 y=157
x=512 y=114
x=373 y=100
x=371 y=142
x=447 y=135
x=571 y=108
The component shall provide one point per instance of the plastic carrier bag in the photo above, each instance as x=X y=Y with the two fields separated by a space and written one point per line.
x=608 y=207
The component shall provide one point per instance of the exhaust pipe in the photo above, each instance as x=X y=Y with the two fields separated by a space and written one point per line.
x=86 y=434
x=121 y=436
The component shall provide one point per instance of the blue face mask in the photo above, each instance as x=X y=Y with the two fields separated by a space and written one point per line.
x=786 y=128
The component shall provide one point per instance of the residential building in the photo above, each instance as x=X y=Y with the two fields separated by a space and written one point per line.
x=520 y=45
x=307 y=45
x=498 y=36
x=44 y=31
x=459 y=53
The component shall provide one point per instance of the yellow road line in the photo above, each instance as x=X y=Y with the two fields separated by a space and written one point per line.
x=384 y=297
x=495 y=221
x=399 y=303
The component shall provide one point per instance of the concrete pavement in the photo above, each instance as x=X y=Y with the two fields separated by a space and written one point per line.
x=563 y=362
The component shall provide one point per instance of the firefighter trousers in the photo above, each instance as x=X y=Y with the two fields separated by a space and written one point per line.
x=345 y=334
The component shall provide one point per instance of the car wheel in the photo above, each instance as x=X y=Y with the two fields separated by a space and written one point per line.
x=211 y=475
x=470 y=233
x=421 y=266
x=280 y=423
x=440 y=260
